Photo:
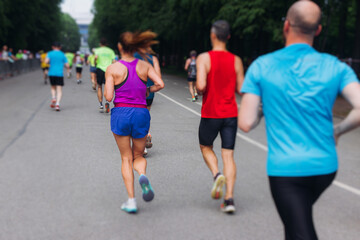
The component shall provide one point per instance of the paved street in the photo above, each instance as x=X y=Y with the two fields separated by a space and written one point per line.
x=60 y=173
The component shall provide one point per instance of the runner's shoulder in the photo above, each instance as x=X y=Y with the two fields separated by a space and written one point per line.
x=203 y=57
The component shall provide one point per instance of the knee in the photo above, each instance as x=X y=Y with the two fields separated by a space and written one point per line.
x=205 y=148
x=127 y=160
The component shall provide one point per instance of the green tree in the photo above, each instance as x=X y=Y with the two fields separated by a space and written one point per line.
x=69 y=35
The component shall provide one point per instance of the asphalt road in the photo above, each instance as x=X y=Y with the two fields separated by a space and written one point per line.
x=60 y=173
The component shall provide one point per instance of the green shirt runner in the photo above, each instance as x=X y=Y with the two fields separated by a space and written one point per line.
x=105 y=57
x=70 y=57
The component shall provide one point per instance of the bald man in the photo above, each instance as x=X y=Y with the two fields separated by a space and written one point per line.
x=298 y=86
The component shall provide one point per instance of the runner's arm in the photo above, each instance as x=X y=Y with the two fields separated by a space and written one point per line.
x=250 y=112
x=157 y=66
x=187 y=63
x=202 y=69
x=109 y=84
x=239 y=68
x=352 y=94
x=158 y=82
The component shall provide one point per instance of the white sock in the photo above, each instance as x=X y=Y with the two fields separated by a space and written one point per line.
x=131 y=200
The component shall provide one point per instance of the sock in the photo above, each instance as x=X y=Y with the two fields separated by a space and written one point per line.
x=216 y=175
x=100 y=103
x=57 y=103
x=131 y=200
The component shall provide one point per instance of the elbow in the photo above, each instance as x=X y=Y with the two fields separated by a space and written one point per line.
x=161 y=85
x=244 y=126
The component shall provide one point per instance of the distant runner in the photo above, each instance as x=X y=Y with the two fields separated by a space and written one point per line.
x=79 y=61
x=56 y=58
x=130 y=120
x=219 y=74
x=44 y=65
x=104 y=56
x=146 y=55
x=70 y=57
x=91 y=62
x=190 y=67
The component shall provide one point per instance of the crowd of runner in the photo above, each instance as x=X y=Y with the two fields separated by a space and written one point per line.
x=302 y=160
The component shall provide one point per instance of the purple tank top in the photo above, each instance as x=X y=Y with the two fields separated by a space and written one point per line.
x=132 y=90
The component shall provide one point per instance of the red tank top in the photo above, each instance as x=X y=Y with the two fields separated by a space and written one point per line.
x=219 y=97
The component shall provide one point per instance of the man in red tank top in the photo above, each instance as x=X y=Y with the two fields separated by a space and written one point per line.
x=219 y=75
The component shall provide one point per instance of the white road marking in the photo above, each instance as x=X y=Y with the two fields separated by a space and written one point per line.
x=260 y=145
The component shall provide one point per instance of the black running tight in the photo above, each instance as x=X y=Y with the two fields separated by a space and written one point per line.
x=294 y=198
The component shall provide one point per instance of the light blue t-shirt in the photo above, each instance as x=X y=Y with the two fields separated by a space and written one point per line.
x=57 y=60
x=298 y=87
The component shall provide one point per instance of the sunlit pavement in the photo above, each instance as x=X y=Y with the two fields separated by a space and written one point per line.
x=60 y=173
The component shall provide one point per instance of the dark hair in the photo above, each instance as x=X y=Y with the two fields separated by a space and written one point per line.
x=192 y=53
x=133 y=42
x=103 y=41
x=56 y=44
x=221 y=29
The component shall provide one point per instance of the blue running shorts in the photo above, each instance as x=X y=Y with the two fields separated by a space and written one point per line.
x=130 y=121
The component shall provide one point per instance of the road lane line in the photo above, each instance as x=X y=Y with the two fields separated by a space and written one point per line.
x=261 y=146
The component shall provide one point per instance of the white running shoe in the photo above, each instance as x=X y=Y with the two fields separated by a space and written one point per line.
x=145 y=152
x=217 y=189
x=129 y=206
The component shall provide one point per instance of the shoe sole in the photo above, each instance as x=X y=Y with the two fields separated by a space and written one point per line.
x=129 y=210
x=148 y=193
x=217 y=190
x=228 y=209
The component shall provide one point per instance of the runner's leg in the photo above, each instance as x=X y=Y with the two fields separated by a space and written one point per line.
x=99 y=93
x=58 y=94
x=229 y=171
x=138 y=152
x=53 y=91
x=210 y=158
x=124 y=146
x=191 y=89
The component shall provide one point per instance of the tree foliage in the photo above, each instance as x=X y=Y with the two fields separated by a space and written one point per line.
x=256 y=25
x=69 y=36
x=29 y=24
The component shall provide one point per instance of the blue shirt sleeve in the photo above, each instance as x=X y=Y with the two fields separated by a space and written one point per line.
x=252 y=80
x=347 y=76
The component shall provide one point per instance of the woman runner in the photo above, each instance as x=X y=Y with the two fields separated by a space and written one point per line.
x=130 y=119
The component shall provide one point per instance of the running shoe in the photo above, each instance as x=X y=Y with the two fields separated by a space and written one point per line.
x=78 y=81
x=94 y=86
x=145 y=152
x=101 y=107
x=53 y=102
x=68 y=75
x=193 y=99
x=129 y=206
x=217 y=189
x=107 y=107
x=148 y=193
x=45 y=82
x=148 y=143
x=228 y=206
x=57 y=108
x=196 y=96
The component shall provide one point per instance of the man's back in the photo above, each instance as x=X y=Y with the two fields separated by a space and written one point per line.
x=298 y=87
x=219 y=97
x=57 y=60
x=105 y=56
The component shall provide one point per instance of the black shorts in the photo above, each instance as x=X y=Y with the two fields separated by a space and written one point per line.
x=294 y=198
x=100 y=76
x=191 y=79
x=78 y=69
x=45 y=69
x=149 y=101
x=210 y=127
x=56 y=81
